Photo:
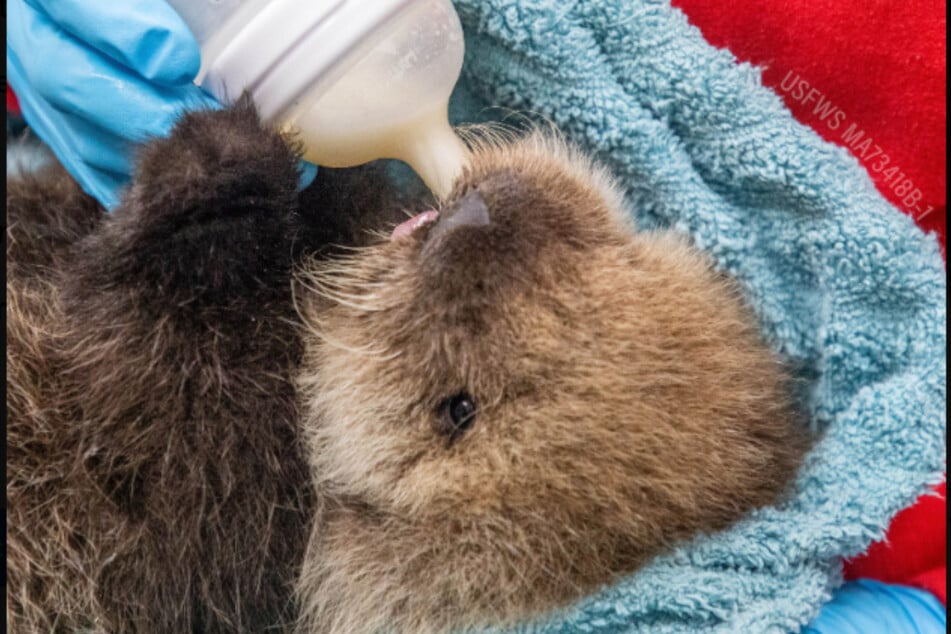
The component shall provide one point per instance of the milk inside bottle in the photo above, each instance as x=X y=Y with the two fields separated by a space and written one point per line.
x=357 y=80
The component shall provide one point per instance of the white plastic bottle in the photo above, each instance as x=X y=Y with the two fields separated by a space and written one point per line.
x=357 y=79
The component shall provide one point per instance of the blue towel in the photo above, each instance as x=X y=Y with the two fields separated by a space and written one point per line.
x=844 y=285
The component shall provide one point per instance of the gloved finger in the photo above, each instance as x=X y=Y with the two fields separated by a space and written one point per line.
x=870 y=607
x=51 y=126
x=308 y=172
x=77 y=79
x=146 y=36
x=104 y=186
x=96 y=147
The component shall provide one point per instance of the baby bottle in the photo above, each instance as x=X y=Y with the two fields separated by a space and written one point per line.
x=357 y=80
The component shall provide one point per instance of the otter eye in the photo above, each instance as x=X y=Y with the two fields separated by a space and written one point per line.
x=457 y=414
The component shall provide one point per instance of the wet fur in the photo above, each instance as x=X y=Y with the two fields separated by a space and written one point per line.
x=175 y=429
x=626 y=401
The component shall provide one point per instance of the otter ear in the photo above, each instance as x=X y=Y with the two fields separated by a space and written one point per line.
x=211 y=214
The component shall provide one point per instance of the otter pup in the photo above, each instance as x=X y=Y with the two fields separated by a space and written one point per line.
x=483 y=418
x=519 y=399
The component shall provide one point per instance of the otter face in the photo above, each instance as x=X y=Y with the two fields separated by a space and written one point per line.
x=522 y=399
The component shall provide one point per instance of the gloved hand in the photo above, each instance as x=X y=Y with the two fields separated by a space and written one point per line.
x=95 y=77
x=870 y=607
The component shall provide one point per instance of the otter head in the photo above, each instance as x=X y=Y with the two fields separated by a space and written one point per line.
x=518 y=399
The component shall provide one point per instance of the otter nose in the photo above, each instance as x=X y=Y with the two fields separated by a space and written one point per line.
x=468 y=211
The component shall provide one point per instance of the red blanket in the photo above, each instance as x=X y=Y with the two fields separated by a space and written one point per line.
x=12 y=105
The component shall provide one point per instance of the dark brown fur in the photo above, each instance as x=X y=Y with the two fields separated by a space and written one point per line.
x=625 y=401
x=155 y=482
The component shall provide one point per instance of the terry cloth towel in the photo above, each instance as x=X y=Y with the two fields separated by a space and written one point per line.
x=844 y=284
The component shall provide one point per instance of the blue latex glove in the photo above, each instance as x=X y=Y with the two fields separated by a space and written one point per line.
x=870 y=607
x=96 y=77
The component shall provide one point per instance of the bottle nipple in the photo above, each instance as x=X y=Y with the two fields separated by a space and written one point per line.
x=335 y=135
x=434 y=152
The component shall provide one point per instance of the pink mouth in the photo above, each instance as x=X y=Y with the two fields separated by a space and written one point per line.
x=409 y=226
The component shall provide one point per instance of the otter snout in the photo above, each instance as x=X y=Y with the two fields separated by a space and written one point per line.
x=468 y=211
x=502 y=230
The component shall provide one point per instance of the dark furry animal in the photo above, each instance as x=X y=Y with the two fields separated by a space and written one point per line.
x=475 y=423
x=155 y=480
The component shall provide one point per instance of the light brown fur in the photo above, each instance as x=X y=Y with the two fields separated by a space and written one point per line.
x=625 y=401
